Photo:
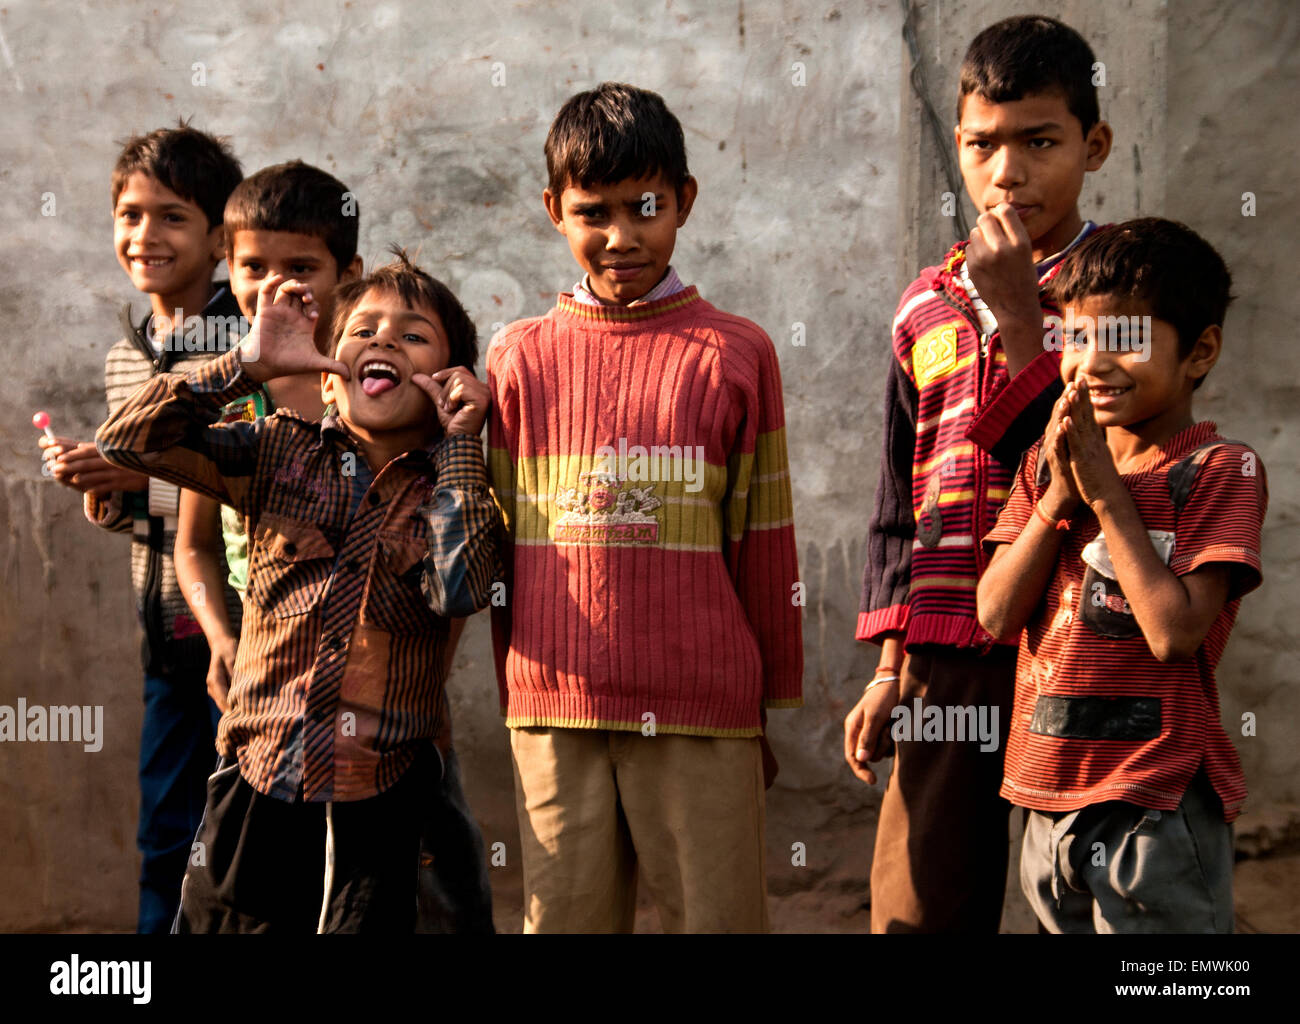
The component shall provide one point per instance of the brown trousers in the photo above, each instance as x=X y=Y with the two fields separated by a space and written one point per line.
x=594 y=805
x=940 y=861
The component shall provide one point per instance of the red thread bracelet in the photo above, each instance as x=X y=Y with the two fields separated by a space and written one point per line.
x=1056 y=524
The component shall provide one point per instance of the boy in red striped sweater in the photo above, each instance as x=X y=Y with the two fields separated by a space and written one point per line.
x=1131 y=534
x=637 y=448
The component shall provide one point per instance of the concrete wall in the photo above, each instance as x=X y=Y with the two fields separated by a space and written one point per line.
x=818 y=202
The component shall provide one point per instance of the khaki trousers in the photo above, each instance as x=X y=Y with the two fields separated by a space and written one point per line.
x=594 y=804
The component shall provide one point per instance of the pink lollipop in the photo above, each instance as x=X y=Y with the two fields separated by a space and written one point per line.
x=41 y=421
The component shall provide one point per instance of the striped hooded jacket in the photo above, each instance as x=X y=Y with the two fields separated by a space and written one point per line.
x=955 y=427
x=173 y=640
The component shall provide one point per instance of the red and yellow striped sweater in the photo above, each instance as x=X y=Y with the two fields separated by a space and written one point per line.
x=639 y=458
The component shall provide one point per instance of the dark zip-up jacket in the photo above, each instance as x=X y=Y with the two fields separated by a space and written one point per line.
x=955 y=427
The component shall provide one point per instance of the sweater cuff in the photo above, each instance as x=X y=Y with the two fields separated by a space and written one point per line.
x=102 y=511
x=990 y=424
x=884 y=620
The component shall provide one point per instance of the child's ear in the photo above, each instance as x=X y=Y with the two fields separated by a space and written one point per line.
x=217 y=242
x=554 y=209
x=1205 y=352
x=326 y=388
x=1097 y=145
x=352 y=271
x=686 y=199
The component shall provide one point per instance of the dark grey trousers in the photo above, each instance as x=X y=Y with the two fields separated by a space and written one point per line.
x=1116 y=867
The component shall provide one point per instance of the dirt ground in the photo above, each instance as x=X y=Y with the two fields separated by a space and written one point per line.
x=828 y=894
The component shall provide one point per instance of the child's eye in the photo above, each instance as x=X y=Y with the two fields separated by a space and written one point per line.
x=301 y=269
x=1077 y=341
x=363 y=332
x=1041 y=143
x=253 y=268
x=416 y=338
x=176 y=218
x=128 y=215
x=980 y=144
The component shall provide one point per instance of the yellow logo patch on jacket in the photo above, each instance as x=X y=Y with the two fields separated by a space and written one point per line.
x=934 y=355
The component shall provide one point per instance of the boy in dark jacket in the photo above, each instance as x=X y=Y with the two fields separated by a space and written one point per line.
x=971 y=386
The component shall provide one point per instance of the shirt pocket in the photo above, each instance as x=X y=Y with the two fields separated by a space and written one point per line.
x=291 y=565
x=395 y=599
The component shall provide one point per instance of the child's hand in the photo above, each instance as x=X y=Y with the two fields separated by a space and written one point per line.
x=460 y=398
x=81 y=467
x=52 y=453
x=1091 y=463
x=866 y=734
x=1062 y=496
x=281 y=342
x=221 y=666
x=1001 y=261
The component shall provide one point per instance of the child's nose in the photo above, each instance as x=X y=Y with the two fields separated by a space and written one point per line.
x=1008 y=168
x=620 y=236
x=1096 y=359
x=144 y=229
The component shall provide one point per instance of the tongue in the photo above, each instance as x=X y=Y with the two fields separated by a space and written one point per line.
x=377 y=385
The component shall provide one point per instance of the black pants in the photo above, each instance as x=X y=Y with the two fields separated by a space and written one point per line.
x=261 y=865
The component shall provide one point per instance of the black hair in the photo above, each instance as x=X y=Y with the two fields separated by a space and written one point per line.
x=1163 y=264
x=298 y=198
x=1023 y=56
x=198 y=167
x=415 y=288
x=612 y=133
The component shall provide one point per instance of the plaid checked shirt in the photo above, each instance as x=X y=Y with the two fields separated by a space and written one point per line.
x=352 y=577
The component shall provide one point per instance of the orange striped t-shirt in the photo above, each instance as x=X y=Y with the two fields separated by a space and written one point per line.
x=1096 y=716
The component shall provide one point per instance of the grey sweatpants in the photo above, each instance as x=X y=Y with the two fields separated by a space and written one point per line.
x=1116 y=867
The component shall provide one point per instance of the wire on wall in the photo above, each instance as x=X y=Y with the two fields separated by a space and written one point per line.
x=947 y=161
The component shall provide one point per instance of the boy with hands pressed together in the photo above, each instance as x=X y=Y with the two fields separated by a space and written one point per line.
x=1130 y=535
x=368 y=531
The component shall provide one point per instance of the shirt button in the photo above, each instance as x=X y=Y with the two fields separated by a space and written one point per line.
x=320 y=715
x=351 y=565
x=373 y=498
x=291 y=548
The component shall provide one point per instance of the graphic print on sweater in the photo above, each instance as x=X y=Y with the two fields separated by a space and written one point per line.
x=602 y=509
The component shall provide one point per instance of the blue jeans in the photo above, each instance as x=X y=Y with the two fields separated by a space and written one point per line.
x=177 y=752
